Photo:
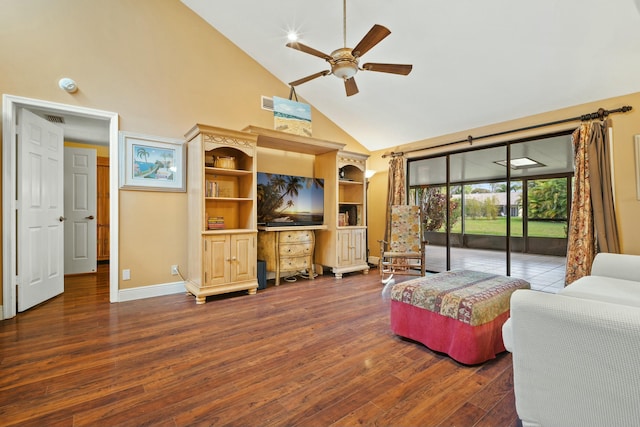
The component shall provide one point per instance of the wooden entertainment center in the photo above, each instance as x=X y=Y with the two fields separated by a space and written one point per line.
x=223 y=238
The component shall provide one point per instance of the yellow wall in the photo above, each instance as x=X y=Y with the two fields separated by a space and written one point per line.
x=162 y=69
x=284 y=162
x=625 y=126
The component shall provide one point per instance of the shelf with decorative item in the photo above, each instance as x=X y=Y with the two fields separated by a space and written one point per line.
x=229 y=184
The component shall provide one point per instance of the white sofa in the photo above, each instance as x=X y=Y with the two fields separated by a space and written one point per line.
x=576 y=354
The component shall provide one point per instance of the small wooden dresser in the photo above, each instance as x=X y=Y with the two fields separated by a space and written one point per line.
x=287 y=249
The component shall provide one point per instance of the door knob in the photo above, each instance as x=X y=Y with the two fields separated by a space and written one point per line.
x=61 y=218
x=88 y=217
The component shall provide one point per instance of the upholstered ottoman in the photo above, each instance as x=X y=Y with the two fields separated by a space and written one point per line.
x=458 y=312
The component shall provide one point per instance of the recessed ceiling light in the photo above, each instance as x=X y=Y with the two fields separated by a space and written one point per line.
x=292 y=36
x=521 y=163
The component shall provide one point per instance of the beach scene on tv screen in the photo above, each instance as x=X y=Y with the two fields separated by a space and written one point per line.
x=289 y=199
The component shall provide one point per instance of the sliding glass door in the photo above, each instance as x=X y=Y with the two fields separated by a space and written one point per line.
x=511 y=198
x=428 y=189
x=481 y=225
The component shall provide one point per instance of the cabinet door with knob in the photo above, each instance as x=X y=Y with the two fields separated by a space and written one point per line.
x=243 y=257
x=351 y=247
x=229 y=258
x=217 y=256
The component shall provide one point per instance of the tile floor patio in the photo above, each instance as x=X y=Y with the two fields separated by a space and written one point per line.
x=543 y=272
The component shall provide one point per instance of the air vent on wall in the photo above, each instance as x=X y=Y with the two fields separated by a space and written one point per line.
x=54 y=119
x=266 y=103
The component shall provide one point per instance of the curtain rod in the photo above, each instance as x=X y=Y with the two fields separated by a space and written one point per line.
x=600 y=114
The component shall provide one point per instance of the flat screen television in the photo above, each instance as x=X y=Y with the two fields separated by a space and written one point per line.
x=286 y=200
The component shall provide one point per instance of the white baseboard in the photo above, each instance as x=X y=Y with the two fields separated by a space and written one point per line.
x=1 y=312
x=151 y=291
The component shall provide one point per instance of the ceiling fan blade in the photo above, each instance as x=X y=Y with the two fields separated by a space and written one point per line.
x=403 y=69
x=311 y=51
x=372 y=38
x=311 y=77
x=351 y=86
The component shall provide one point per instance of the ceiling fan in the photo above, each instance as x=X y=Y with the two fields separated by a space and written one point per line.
x=345 y=61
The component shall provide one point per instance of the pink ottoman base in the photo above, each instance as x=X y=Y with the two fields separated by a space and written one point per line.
x=462 y=342
x=458 y=312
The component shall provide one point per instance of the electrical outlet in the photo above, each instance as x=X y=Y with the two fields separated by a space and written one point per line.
x=174 y=270
x=126 y=274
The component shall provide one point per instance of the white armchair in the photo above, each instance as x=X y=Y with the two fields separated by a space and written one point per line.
x=576 y=354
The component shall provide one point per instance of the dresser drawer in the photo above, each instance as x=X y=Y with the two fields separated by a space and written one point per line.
x=299 y=249
x=294 y=263
x=296 y=236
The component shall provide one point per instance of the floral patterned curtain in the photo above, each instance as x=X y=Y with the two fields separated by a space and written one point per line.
x=592 y=209
x=396 y=191
x=581 y=240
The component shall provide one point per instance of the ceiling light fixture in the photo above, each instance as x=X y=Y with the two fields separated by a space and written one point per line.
x=345 y=65
x=521 y=163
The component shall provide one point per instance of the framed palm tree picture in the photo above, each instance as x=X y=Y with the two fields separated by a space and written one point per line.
x=151 y=163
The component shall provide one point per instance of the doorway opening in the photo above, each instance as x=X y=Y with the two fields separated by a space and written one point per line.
x=11 y=106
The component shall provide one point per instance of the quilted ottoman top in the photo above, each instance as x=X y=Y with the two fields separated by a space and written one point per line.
x=472 y=297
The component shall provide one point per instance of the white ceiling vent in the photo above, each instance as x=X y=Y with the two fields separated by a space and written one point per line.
x=266 y=103
x=54 y=119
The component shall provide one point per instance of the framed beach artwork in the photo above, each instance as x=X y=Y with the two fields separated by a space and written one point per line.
x=151 y=163
x=291 y=116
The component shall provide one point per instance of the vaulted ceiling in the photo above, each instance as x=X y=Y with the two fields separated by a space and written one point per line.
x=475 y=63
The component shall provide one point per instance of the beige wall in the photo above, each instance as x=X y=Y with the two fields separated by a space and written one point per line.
x=162 y=69
x=284 y=162
x=625 y=126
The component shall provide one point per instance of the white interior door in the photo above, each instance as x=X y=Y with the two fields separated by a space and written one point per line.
x=40 y=210
x=80 y=192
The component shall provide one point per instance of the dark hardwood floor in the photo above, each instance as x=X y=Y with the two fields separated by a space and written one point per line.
x=309 y=353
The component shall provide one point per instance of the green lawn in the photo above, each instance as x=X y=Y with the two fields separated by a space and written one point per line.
x=498 y=227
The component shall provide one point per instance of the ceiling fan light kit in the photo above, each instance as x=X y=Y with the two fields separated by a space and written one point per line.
x=345 y=65
x=344 y=61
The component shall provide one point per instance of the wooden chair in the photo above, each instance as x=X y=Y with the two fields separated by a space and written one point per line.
x=403 y=254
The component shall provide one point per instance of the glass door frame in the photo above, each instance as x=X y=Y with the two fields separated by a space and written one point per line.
x=508 y=179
